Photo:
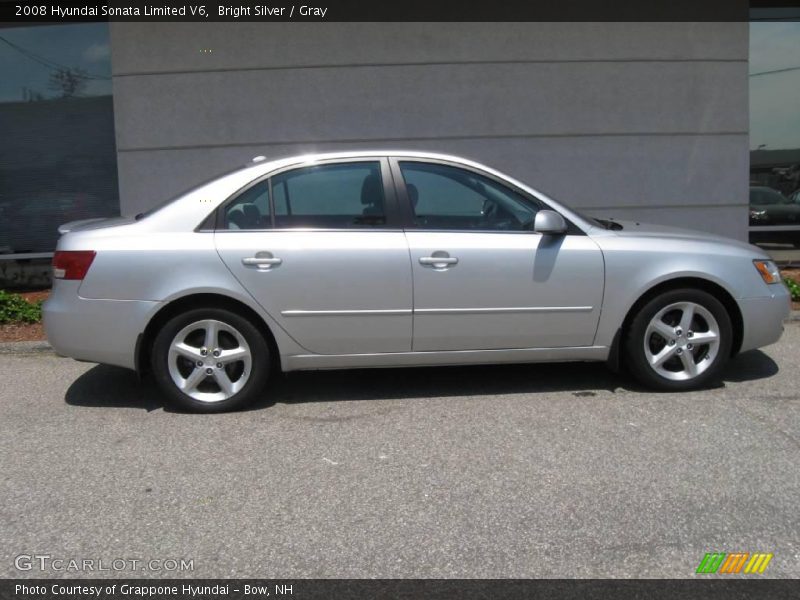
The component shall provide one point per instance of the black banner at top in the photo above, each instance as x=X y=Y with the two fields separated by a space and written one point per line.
x=70 y=11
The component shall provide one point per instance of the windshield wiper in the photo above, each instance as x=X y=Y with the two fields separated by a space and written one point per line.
x=608 y=224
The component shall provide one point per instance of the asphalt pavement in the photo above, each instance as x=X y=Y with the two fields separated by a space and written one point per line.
x=505 y=471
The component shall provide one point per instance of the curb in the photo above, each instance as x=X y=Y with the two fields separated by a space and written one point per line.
x=42 y=347
x=39 y=347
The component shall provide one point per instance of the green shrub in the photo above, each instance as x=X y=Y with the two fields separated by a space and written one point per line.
x=15 y=309
x=794 y=288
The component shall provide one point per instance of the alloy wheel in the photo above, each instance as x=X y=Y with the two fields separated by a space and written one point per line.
x=209 y=360
x=681 y=341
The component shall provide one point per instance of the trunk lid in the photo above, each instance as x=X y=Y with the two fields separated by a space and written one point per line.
x=87 y=224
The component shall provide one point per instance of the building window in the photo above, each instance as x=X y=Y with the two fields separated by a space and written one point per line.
x=775 y=134
x=58 y=159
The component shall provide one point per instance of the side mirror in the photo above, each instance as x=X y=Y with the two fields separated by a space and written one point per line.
x=549 y=222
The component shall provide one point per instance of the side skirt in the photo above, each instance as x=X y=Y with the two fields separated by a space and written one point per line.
x=300 y=362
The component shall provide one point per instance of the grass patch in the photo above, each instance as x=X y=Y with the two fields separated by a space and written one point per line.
x=794 y=288
x=16 y=309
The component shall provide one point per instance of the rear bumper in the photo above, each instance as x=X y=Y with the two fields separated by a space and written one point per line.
x=103 y=331
x=763 y=318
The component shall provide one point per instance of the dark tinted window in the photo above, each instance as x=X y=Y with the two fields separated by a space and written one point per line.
x=445 y=197
x=58 y=159
x=250 y=210
x=760 y=196
x=334 y=196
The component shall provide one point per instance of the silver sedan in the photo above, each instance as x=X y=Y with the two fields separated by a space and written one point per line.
x=388 y=259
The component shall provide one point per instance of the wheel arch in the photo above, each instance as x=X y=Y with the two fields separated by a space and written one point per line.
x=144 y=343
x=706 y=285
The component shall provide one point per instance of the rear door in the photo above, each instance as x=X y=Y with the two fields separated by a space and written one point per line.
x=483 y=279
x=319 y=247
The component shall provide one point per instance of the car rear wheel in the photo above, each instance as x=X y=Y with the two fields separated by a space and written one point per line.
x=210 y=360
x=679 y=340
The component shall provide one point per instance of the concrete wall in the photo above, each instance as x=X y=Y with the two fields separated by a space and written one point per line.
x=631 y=120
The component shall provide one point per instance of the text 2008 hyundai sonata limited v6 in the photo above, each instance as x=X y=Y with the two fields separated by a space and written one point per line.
x=387 y=259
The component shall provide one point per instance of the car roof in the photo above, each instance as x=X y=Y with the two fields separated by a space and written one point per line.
x=268 y=163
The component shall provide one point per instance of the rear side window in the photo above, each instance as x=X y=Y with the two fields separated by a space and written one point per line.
x=250 y=210
x=338 y=196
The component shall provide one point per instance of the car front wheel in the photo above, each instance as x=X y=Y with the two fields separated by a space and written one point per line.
x=210 y=360
x=679 y=340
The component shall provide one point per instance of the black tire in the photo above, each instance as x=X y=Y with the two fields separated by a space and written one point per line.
x=634 y=341
x=259 y=366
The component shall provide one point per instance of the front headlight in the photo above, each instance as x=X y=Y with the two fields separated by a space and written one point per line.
x=758 y=215
x=768 y=270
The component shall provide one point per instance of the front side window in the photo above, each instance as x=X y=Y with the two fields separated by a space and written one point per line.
x=337 y=196
x=445 y=197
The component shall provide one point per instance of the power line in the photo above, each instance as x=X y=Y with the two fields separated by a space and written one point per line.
x=49 y=63
x=56 y=66
x=775 y=71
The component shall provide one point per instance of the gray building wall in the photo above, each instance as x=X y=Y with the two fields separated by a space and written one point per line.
x=630 y=120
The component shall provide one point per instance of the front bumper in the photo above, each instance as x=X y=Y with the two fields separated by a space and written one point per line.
x=103 y=331
x=763 y=317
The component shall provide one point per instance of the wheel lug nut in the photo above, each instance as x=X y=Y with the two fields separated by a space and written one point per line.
x=672 y=342
x=679 y=331
x=209 y=371
x=203 y=352
x=199 y=363
x=219 y=365
x=689 y=333
x=216 y=352
x=689 y=346
x=680 y=351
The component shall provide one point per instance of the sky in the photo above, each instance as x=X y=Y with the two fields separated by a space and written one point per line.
x=774 y=98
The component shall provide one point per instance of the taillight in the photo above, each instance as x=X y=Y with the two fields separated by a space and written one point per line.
x=72 y=264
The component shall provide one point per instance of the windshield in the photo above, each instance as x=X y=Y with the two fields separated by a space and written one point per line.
x=760 y=196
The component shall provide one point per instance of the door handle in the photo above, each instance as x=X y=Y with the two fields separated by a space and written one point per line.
x=261 y=262
x=438 y=262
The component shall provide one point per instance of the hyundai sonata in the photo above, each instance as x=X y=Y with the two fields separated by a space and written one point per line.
x=388 y=259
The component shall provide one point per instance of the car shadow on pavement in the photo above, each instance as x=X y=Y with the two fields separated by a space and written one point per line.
x=104 y=386
x=584 y=379
x=750 y=366
x=113 y=387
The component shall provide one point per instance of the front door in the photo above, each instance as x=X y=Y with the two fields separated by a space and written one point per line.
x=482 y=278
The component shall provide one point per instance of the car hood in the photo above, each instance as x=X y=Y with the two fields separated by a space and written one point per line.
x=637 y=229
x=783 y=210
